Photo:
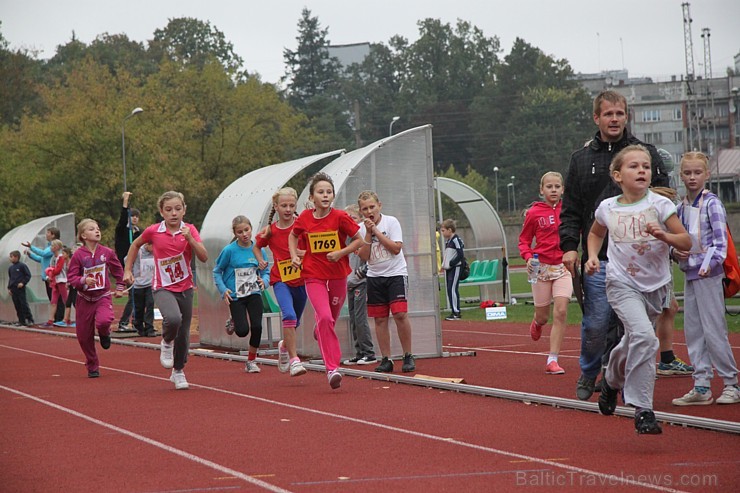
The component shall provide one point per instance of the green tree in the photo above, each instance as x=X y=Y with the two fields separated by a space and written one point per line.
x=20 y=74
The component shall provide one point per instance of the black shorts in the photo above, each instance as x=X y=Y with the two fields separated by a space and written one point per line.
x=387 y=294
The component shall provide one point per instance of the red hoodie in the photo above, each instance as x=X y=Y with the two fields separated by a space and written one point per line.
x=542 y=222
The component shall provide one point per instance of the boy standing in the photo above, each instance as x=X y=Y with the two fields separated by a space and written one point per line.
x=142 y=292
x=18 y=277
x=452 y=265
x=387 y=279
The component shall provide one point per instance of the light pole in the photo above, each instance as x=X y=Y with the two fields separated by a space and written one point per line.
x=495 y=173
x=508 y=195
x=513 y=192
x=390 y=127
x=135 y=112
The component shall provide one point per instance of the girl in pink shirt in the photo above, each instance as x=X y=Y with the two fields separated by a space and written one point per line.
x=89 y=270
x=173 y=244
x=325 y=265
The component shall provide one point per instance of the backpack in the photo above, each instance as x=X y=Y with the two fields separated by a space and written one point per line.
x=465 y=270
x=731 y=281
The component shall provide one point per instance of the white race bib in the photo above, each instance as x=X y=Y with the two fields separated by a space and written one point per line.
x=98 y=273
x=245 y=280
x=173 y=270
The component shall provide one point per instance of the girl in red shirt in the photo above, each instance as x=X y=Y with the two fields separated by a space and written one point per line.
x=325 y=265
x=553 y=281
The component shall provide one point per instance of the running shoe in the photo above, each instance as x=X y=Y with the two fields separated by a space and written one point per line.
x=93 y=374
x=178 y=378
x=675 y=367
x=166 y=357
x=296 y=368
x=730 y=395
x=335 y=379
x=283 y=357
x=607 y=399
x=105 y=342
x=385 y=366
x=585 y=387
x=553 y=368
x=453 y=317
x=352 y=361
x=535 y=331
x=646 y=424
x=251 y=367
x=409 y=364
x=694 y=398
x=60 y=323
x=367 y=360
x=229 y=326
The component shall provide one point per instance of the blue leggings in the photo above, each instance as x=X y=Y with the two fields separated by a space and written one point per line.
x=292 y=301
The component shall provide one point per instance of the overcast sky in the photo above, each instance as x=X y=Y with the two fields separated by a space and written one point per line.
x=644 y=36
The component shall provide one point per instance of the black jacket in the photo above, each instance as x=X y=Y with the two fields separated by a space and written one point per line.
x=588 y=182
x=122 y=237
x=17 y=273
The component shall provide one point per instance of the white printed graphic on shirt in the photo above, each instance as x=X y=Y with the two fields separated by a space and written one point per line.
x=630 y=226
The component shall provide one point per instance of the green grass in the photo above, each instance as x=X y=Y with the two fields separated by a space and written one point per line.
x=523 y=312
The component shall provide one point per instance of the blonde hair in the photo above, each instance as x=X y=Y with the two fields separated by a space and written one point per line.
x=57 y=243
x=353 y=209
x=276 y=196
x=551 y=173
x=169 y=196
x=695 y=156
x=367 y=195
x=81 y=227
x=618 y=160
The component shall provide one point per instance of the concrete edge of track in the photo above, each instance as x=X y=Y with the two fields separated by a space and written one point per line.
x=526 y=398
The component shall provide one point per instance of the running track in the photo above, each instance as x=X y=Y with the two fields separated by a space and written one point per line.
x=130 y=431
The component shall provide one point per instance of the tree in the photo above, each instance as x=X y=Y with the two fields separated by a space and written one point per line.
x=20 y=73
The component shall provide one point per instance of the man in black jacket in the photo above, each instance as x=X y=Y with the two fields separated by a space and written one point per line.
x=127 y=230
x=587 y=183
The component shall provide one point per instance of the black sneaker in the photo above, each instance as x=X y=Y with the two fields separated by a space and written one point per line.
x=351 y=361
x=646 y=424
x=607 y=399
x=409 y=364
x=151 y=333
x=585 y=387
x=367 y=360
x=453 y=317
x=93 y=374
x=105 y=342
x=385 y=366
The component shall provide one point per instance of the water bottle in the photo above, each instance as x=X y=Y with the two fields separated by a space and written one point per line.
x=535 y=264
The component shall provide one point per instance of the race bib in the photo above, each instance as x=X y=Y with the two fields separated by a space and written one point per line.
x=98 y=273
x=173 y=270
x=245 y=280
x=327 y=241
x=692 y=222
x=147 y=267
x=288 y=272
x=629 y=227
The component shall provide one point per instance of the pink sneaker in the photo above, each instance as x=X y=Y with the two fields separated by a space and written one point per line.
x=553 y=368
x=535 y=331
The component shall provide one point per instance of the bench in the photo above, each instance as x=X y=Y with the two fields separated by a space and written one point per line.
x=482 y=272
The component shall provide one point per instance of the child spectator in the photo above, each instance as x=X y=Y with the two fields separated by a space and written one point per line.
x=240 y=281
x=127 y=230
x=357 y=304
x=89 y=271
x=554 y=284
x=57 y=275
x=143 y=271
x=173 y=244
x=325 y=266
x=452 y=266
x=287 y=282
x=43 y=256
x=18 y=277
x=705 y=326
x=71 y=295
x=637 y=279
x=387 y=279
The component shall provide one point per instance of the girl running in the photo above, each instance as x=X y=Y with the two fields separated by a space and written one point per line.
x=173 y=244
x=89 y=270
x=240 y=281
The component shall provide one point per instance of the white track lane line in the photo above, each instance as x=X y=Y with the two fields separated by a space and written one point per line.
x=604 y=478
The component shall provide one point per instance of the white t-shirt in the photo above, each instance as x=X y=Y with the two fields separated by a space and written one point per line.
x=383 y=263
x=635 y=257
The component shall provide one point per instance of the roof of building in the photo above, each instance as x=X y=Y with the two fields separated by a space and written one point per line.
x=725 y=163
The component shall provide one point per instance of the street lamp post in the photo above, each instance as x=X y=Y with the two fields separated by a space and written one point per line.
x=390 y=127
x=495 y=173
x=135 y=112
x=513 y=192
x=508 y=195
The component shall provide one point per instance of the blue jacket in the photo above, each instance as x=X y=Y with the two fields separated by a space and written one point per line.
x=42 y=256
x=234 y=257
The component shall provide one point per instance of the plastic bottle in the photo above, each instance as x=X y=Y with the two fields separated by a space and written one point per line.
x=535 y=264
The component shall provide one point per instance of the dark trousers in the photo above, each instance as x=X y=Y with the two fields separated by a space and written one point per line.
x=59 y=313
x=241 y=307
x=127 y=310
x=144 y=309
x=21 y=306
x=452 y=277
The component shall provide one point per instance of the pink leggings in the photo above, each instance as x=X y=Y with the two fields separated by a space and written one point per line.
x=327 y=298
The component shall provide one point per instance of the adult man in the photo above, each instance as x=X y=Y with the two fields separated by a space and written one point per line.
x=587 y=183
x=127 y=230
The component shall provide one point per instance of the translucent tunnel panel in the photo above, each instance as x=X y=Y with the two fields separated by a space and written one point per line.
x=251 y=196
x=35 y=232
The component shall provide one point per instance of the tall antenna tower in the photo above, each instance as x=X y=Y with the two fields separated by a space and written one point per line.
x=708 y=85
x=693 y=116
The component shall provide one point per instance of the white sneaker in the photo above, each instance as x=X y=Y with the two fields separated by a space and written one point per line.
x=694 y=398
x=335 y=379
x=283 y=357
x=178 y=378
x=166 y=354
x=730 y=395
x=297 y=369
x=251 y=367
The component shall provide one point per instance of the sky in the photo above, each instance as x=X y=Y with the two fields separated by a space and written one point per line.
x=644 y=36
